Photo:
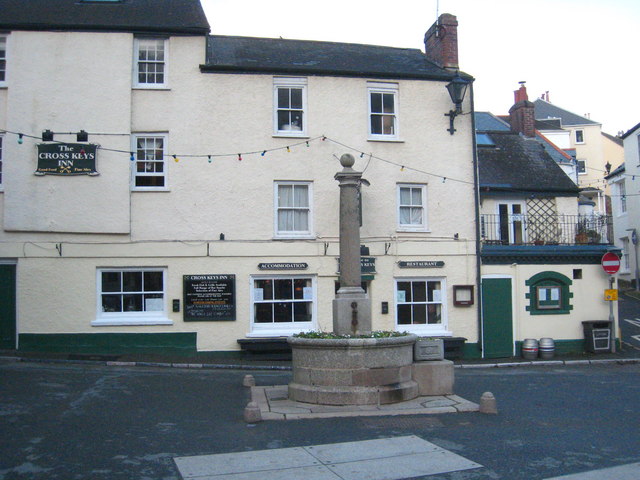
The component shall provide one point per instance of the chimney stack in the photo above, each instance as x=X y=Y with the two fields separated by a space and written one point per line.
x=441 y=42
x=522 y=114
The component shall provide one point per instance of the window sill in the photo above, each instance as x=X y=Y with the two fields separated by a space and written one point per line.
x=150 y=87
x=295 y=237
x=131 y=321
x=423 y=332
x=382 y=139
x=150 y=189
x=413 y=230
x=291 y=134
x=277 y=333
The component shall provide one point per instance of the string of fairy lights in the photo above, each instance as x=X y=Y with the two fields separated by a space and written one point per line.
x=240 y=156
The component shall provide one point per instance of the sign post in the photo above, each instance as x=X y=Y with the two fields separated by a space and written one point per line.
x=611 y=264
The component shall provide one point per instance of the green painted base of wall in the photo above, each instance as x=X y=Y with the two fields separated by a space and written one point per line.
x=563 y=347
x=183 y=344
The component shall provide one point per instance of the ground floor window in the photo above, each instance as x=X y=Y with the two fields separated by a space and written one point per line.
x=131 y=296
x=421 y=305
x=282 y=305
x=549 y=294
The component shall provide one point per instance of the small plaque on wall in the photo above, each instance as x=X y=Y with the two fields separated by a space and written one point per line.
x=463 y=295
x=209 y=298
x=421 y=264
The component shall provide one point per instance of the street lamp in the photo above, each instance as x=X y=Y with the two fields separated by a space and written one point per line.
x=457 y=89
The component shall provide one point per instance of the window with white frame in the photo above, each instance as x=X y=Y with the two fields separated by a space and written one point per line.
x=511 y=225
x=626 y=262
x=1 y=152
x=421 y=305
x=150 y=166
x=3 y=59
x=282 y=304
x=579 y=136
x=383 y=111
x=150 y=62
x=131 y=296
x=412 y=207
x=582 y=167
x=293 y=214
x=621 y=192
x=290 y=100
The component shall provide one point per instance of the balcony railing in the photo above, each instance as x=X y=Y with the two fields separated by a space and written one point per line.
x=546 y=229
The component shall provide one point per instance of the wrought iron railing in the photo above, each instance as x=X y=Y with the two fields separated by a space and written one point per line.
x=546 y=229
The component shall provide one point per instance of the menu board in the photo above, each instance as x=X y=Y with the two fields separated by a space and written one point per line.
x=209 y=298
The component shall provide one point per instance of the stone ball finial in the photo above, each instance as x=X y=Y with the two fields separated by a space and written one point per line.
x=347 y=160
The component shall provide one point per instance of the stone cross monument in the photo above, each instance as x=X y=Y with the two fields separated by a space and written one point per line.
x=352 y=306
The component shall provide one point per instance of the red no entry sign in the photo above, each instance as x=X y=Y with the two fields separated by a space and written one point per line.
x=610 y=263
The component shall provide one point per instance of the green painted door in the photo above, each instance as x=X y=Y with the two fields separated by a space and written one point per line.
x=497 y=317
x=8 y=307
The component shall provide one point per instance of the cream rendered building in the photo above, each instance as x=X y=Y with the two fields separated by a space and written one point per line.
x=210 y=211
x=593 y=150
x=541 y=260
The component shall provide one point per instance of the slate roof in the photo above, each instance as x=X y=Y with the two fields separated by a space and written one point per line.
x=557 y=154
x=486 y=121
x=521 y=166
x=616 y=140
x=618 y=171
x=630 y=131
x=272 y=55
x=553 y=124
x=184 y=17
x=545 y=110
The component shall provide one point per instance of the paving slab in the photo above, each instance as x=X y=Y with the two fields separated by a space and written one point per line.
x=622 y=472
x=379 y=459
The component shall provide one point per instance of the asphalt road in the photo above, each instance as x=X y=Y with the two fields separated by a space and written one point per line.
x=81 y=421
x=629 y=321
x=68 y=421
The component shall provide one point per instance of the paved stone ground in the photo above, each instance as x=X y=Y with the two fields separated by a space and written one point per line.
x=274 y=404
x=381 y=459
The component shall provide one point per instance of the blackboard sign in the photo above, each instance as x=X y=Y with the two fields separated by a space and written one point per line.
x=66 y=159
x=209 y=298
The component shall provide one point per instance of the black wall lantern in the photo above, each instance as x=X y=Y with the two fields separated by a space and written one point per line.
x=457 y=89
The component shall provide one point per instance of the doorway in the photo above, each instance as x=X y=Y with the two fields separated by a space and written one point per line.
x=7 y=307
x=497 y=317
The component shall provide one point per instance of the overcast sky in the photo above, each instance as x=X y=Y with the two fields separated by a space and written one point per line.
x=577 y=50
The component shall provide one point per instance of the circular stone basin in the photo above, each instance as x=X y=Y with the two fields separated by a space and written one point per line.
x=353 y=371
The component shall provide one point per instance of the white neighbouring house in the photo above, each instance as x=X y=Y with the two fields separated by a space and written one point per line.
x=625 y=199
x=208 y=211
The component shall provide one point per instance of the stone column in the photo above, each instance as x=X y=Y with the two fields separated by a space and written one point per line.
x=351 y=307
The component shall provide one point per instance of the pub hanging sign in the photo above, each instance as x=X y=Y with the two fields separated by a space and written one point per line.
x=66 y=159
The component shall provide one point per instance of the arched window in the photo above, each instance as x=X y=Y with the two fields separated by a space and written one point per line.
x=549 y=294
